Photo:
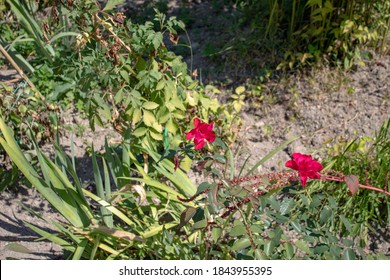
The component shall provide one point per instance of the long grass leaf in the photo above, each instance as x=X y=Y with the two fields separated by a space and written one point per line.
x=271 y=154
x=157 y=229
x=108 y=219
x=52 y=237
x=109 y=207
x=100 y=189
x=80 y=250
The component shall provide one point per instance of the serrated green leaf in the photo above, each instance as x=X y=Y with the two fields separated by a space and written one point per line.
x=346 y=223
x=286 y=206
x=148 y=118
x=137 y=115
x=140 y=131
x=150 y=105
x=111 y=4
x=160 y=85
x=155 y=135
x=125 y=75
x=325 y=214
x=171 y=126
x=240 y=90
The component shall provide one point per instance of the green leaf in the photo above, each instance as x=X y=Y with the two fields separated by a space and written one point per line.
x=241 y=244
x=269 y=247
x=349 y=254
x=303 y=246
x=186 y=216
x=150 y=105
x=321 y=248
x=216 y=233
x=240 y=90
x=346 y=223
x=68 y=203
x=325 y=214
x=154 y=230
x=186 y=164
x=199 y=225
x=111 y=4
x=289 y=250
x=286 y=206
x=125 y=75
x=148 y=118
x=171 y=126
x=137 y=114
x=237 y=230
x=140 y=131
x=155 y=135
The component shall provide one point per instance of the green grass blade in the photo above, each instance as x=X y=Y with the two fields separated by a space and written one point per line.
x=62 y=35
x=271 y=154
x=52 y=237
x=231 y=161
x=154 y=230
x=109 y=207
x=16 y=155
x=106 y=214
x=80 y=250
x=108 y=218
x=32 y=28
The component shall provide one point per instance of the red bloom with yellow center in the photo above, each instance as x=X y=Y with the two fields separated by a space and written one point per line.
x=306 y=166
x=201 y=133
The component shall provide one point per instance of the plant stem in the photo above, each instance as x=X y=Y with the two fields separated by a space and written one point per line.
x=340 y=179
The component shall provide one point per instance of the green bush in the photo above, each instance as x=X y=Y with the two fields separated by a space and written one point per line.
x=307 y=31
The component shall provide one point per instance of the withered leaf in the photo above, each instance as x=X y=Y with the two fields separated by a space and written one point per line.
x=174 y=38
x=119 y=233
x=353 y=184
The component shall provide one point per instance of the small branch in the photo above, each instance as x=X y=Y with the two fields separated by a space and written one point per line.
x=17 y=68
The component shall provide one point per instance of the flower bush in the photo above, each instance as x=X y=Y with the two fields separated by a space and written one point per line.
x=145 y=206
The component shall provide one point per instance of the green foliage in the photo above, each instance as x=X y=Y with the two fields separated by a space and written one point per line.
x=116 y=72
x=310 y=30
x=123 y=73
x=369 y=159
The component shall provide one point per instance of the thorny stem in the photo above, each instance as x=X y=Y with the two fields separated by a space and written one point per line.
x=278 y=180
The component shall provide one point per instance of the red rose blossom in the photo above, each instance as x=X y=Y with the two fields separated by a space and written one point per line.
x=306 y=167
x=201 y=133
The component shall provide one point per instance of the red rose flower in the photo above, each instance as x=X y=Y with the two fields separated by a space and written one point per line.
x=201 y=133
x=306 y=167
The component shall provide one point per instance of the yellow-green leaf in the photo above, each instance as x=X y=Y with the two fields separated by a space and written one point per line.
x=140 y=131
x=240 y=90
x=150 y=105
x=155 y=135
x=149 y=118
x=137 y=114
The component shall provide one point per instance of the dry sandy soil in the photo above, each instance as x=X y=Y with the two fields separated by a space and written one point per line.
x=317 y=106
